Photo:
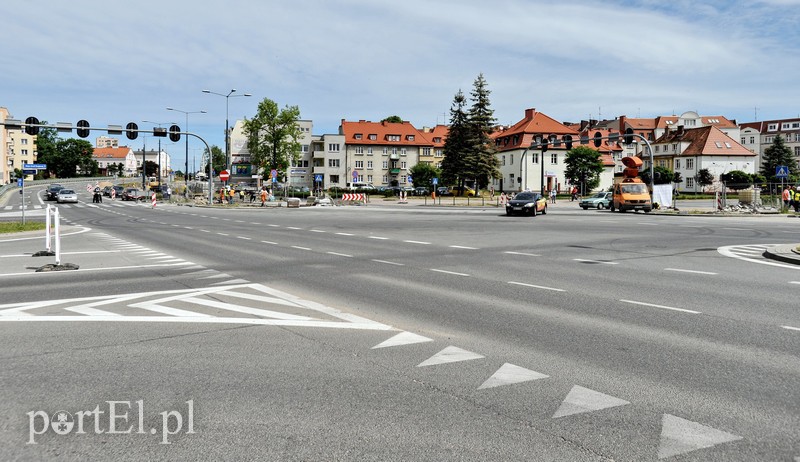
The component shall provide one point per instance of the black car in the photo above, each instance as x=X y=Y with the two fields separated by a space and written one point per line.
x=52 y=191
x=527 y=203
x=118 y=190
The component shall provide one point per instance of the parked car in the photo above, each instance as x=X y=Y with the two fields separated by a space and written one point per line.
x=107 y=191
x=527 y=203
x=118 y=190
x=599 y=201
x=443 y=191
x=67 y=195
x=454 y=191
x=133 y=194
x=52 y=191
x=421 y=191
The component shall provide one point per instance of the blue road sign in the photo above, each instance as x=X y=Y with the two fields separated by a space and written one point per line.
x=318 y=178
x=35 y=166
x=19 y=182
x=29 y=172
x=435 y=181
x=781 y=171
x=355 y=175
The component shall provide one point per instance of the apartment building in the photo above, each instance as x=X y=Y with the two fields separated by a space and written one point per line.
x=16 y=149
x=329 y=165
x=122 y=157
x=687 y=151
x=381 y=153
x=106 y=142
x=434 y=155
x=758 y=136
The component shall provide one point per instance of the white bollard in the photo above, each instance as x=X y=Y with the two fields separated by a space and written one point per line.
x=47 y=229
x=57 y=237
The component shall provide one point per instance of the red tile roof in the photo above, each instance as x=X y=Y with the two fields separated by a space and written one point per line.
x=384 y=133
x=112 y=153
x=706 y=141
x=522 y=134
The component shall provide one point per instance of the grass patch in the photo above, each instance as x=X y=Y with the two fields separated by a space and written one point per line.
x=17 y=226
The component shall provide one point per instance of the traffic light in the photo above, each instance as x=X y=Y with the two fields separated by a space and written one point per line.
x=628 y=139
x=598 y=139
x=83 y=128
x=568 y=142
x=33 y=131
x=175 y=135
x=131 y=131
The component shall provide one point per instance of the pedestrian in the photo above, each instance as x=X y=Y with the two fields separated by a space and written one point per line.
x=553 y=195
x=232 y=196
x=241 y=195
x=796 y=197
x=169 y=193
x=222 y=196
x=263 y=197
x=787 y=197
x=574 y=194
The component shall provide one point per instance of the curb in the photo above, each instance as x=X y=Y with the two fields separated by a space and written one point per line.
x=784 y=253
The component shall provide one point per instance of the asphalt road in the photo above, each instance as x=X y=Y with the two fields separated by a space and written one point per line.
x=401 y=333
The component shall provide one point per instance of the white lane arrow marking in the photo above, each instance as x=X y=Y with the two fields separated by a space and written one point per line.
x=508 y=374
x=582 y=399
x=450 y=354
x=403 y=338
x=679 y=436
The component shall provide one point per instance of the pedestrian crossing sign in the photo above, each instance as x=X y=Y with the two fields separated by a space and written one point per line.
x=782 y=171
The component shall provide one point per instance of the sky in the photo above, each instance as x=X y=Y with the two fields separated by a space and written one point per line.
x=111 y=63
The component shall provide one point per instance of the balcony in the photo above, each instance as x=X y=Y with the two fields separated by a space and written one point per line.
x=394 y=156
x=318 y=154
x=394 y=171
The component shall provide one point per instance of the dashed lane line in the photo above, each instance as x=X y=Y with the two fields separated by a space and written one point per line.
x=791 y=328
x=300 y=248
x=454 y=273
x=417 y=242
x=462 y=247
x=389 y=262
x=524 y=254
x=524 y=284
x=600 y=262
x=679 y=270
x=663 y=307
x=339 y=254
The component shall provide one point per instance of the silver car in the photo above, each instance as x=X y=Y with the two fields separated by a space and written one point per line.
x=601 y=200
x=67 y=195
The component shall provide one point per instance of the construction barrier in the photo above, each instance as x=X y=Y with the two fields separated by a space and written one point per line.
x=353 y=197
x=153 y=199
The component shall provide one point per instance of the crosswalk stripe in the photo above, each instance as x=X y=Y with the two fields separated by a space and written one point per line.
x=246 y=309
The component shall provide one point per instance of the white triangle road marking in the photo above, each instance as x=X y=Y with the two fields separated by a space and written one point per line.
x=450 y=354
x=508 y=374
x=403 y=338
x=580 y=400
x=679 y=436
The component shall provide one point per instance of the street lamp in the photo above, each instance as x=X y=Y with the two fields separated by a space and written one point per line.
x=186 y=129
x=159 y=149
x=227 y=125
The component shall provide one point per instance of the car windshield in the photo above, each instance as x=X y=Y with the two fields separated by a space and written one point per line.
x=66 y=191
x=633 y=188
x=600 y=194
x=524 y=196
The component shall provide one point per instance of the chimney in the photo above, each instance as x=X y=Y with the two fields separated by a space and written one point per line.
x=680 y=131
x=622 y=120
x=529 y=113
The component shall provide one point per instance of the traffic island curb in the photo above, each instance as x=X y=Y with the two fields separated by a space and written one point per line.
x=784 y=253
x=54 y=267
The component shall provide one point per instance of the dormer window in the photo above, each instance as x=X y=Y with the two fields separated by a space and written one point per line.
x=373 y=137
x=437 y=140
x=393 y=137
x=357 y=136
x=409 y=137
x=772 y=127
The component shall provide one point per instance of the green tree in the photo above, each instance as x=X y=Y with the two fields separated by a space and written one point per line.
x=704 y=178
x=111 y=169
x=46 y=149
x=482 y=163
x=272 y=136
x=393 y=119
x=218 y=160
x=663 y=175
x=737 y=179
x=777 y=154
x=456 y=144
x=151 y=168
x=423 y=174
x=583 y=165
x=65 y=157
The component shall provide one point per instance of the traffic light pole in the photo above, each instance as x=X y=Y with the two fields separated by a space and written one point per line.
x=132 y=131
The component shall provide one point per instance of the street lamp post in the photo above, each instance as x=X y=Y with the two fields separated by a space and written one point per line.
x=227 y=124
x=159 y=147
x=186 y=113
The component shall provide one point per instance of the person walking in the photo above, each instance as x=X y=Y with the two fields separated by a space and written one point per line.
x=231 y=196
x=573 y=194
x=796 y=198
x=263 y=197
x=553 y=196
x=787 y=197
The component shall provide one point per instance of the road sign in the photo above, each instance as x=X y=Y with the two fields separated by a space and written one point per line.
x=35 y=166
x=781 y=171
x=318 y=178
x=355 y=175
x=435 y=181
x=19 y=182
x=29 y=172
x=273 y=173
x=224 y=175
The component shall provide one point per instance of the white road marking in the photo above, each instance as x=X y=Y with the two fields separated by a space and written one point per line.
x=449 y=272
x=462 y=247
x=222 y=234
x=403 y=338
x=582 y=260
x=523 y=254
x=417 y=242
x=738 y=229
x=791 y=328
x=317 y=231
x=389 y=262
x=689 y=271
x=679 y=436
x=274 y=226
x=580 y=400
x=733 y=252
x=52 y=273
x=509 y=374
x=450 y=354
x=660 y=306
x=292 y=227
x=378 y=237
x=244 y=238
x=648 y=224
x=339 y=254
x=535 y=286
x=345 y=234
x=205 y=231
x=245 y=309
x=270 y=242
x=300 y=248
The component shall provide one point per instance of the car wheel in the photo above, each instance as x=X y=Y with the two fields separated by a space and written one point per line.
x=600 y=206
x=533 y=211
x=611 y=206
x=544 y=210
x=646 y=210
x=585 y=207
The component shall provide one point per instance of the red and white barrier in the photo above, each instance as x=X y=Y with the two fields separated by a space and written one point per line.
x=153 y=199
x=113 y=193
x=503 y=199
x=353 y=197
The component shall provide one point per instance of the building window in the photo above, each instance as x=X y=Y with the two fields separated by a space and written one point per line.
x=385 y=164
x=333 y=163
x=369 y=178
x=333 y=147
x=369 y=151
x=384 y=179
x=553 y=159
x=359 y=164
x=797 y=151
x=404 y=165
x=373 y=137
x=690 y=182
x=393 y=137
x=511 y=158
x=656 y=148
x=690 y=164
x=438 y=153
x=359 y=149
x=334 y=179
x=305 y=148
x=743 y=141
x=675 y=147
x=535 y=157
x=426 y=151
x=23 y=141
x=752 y=140
x=385 y=150
x=785 y=126
x=677 y=164
x=357 y=136
x=394 y=150
x=369 y=164
x=772 y=127
x=403 y=179
x=504 y=160
x=403 y=151
x=768 y=139
x=410 y=137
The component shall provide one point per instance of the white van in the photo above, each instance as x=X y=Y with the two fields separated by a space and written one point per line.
x=354 y=186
